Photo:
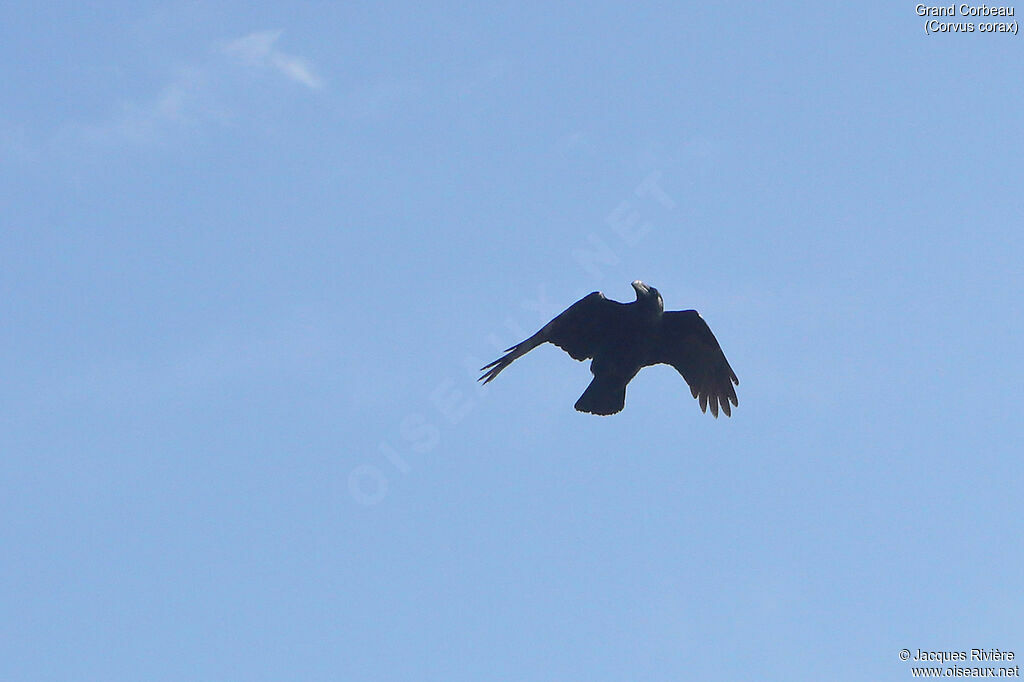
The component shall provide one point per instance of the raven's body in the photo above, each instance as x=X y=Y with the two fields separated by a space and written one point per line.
x=623 y=338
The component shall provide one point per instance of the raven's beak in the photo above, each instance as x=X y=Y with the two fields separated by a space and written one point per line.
x=641 y=288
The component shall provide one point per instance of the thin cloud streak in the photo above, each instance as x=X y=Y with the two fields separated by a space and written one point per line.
x=258 y=49
x=207 y=92
x=185 y=101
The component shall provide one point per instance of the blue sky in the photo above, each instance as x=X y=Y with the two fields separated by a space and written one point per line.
x=250 y=258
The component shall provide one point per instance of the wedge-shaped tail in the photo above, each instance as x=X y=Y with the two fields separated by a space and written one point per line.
x=604 y=396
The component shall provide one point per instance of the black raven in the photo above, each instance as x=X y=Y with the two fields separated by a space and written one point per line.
x=623 y=338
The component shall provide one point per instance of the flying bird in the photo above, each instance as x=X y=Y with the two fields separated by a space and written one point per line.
x=623 y=338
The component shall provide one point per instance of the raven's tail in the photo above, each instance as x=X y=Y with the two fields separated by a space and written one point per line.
x=604 y=396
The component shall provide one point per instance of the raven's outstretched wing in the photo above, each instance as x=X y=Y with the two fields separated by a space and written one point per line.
x=578 y=331
x=687 y=344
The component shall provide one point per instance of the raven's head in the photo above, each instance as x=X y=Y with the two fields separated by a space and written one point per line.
x=648 y=297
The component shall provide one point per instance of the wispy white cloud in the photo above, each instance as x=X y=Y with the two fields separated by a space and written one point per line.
x=187 y=100
x=258 y=49
x=204 y=92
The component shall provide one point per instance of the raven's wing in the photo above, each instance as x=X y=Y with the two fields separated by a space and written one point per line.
x=686 y=343
x=578 y=331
